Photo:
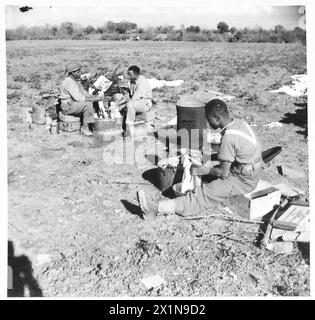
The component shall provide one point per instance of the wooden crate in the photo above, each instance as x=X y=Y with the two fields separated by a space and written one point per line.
x=256 y=204
x=293 y=223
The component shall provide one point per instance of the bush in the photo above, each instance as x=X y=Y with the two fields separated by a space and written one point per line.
x=79 y=36
x=124 y=30
x=216 y=37
x=114 y=36
x=10 y=35
x=20 y=78
x=13 y=95
x=196 y=37
x=14 y=86
x=89 y=29
x=174 y=36
x=147 y=35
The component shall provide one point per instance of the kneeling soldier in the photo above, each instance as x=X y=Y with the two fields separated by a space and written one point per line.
x=238 y=172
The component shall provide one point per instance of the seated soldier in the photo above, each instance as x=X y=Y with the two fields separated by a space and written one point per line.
x=238 y=172
x=76 y=101
x=140 y=100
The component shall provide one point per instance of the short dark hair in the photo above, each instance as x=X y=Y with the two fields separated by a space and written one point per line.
x=134 y=69
x=217 y=107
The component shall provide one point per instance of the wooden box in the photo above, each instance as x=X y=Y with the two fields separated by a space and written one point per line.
x=293 y=224
x=257 y=203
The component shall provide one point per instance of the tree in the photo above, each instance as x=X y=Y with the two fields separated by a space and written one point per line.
x=125 y=26
x=110 y=27
x=279 y=28
x=299 y=35
x=89 y=29
x=195 y=29
x=233 y=30
x=165 y=29
x=54 y=30
x=222 y=27
x=21 y=33
x=68 y=27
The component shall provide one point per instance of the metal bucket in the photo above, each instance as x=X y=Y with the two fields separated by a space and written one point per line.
x=105 y=125
x=163 y=179
x=39 y=114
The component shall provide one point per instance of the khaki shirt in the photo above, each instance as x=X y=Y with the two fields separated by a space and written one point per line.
x=71 y=90
x=239 y=143
x=141 y=89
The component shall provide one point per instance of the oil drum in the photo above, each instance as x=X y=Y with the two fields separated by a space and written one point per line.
x=191 y=122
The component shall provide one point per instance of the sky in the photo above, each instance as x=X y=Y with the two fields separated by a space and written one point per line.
x=148 y=13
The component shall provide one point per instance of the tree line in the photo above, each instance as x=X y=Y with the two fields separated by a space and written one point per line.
x=126 y=30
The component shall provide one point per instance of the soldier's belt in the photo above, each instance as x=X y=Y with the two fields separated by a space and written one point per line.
x=247 y=168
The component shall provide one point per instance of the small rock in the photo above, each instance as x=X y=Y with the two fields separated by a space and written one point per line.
x=153 y=281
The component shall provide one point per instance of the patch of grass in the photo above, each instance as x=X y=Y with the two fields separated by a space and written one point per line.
x=20 y=78
x=14 y=86
x=14 y=95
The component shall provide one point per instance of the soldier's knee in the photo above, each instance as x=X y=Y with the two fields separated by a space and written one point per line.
x=89 y=106
x=131 y=105
x=118 y=97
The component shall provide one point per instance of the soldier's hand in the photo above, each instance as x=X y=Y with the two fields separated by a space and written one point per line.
x=199 y=171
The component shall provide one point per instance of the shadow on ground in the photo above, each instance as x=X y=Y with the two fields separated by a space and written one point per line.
x=298 y=118
x=20 y=275
x=132 y=208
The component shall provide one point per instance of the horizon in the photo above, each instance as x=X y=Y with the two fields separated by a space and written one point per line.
x=206 y=17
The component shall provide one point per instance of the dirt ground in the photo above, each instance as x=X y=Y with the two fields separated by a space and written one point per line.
x=76 y=230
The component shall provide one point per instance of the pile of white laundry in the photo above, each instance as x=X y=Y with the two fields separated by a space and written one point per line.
x=298 y=88
x=155 y=83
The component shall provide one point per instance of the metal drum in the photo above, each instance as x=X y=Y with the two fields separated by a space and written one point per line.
x=191 y=122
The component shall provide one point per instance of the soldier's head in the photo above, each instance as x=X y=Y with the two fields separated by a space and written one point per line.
x=217 y=113
x=73 y=69
x=133 y=73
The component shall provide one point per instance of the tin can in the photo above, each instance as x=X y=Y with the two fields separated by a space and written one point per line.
x=38 y=114
x=48 y=119
x=54 y=129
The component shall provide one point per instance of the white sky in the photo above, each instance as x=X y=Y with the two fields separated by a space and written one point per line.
x=148 y=13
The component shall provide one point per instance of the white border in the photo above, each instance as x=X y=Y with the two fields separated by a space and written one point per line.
x=310 y=14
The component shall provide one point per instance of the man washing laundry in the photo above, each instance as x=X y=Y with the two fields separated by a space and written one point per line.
x=238 y=172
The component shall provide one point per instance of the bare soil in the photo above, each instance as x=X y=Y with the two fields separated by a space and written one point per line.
x=77 y=230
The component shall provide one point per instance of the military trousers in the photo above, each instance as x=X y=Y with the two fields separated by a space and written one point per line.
x=82 y=109
x=218 y=190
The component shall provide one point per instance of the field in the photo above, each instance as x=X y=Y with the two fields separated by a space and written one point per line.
x=75 y=232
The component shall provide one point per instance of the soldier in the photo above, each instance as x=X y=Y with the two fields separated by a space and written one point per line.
x=140 y=100
x=76 y=101
x=238 y=172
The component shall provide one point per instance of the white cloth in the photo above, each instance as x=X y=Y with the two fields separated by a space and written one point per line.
x=298 y=88
x=189 y=182
x=155 y=83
